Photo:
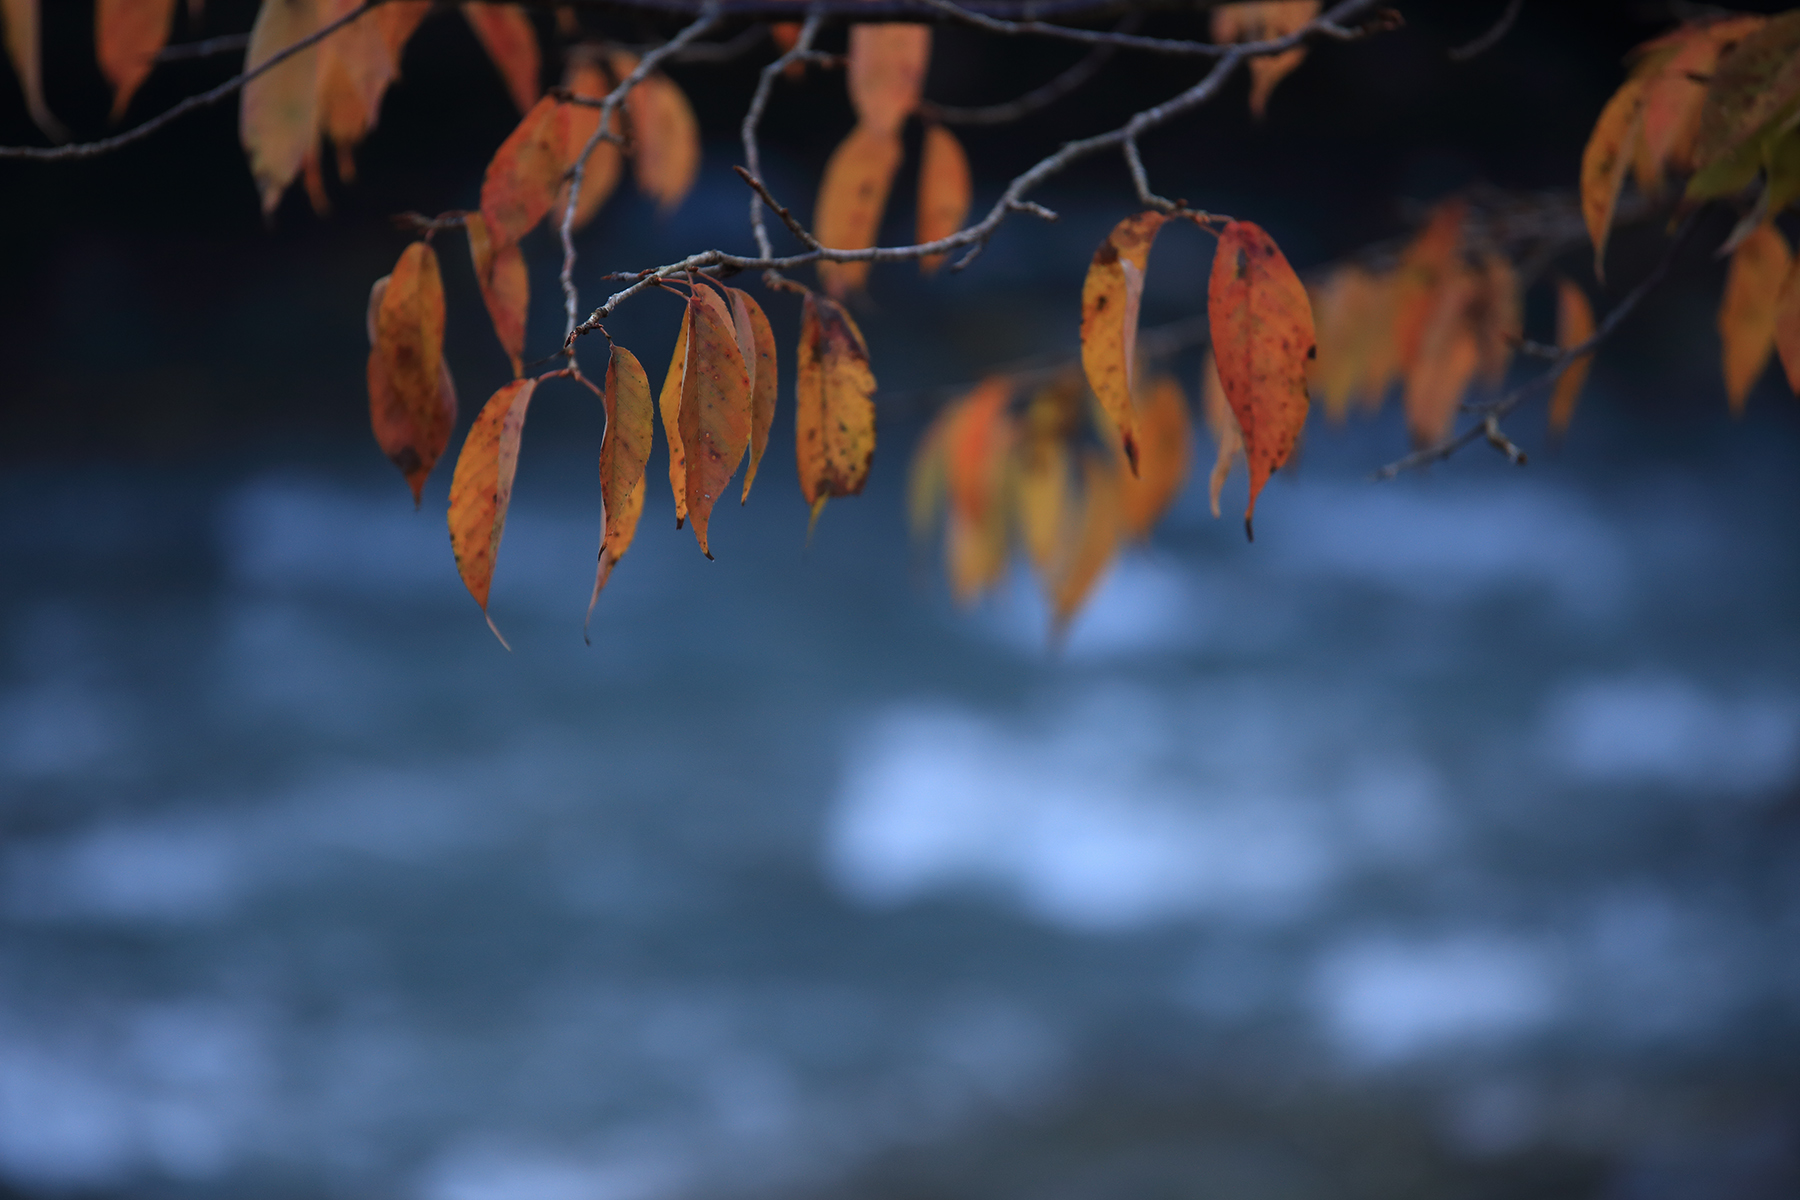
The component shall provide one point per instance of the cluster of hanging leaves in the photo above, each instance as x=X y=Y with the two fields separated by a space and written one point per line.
x=1717 y=102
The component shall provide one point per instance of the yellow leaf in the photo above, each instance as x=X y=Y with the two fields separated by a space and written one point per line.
x=1224 y=429
x=277 y=117
x=1109 y=319
x=1759 y=266
x=624 y=452
x=412 y=404
x=944 y=191
x=1095 y=544
x=715 y=406
x=22 y=35
x=834 y=417
x=669 y=404
x=1574 y=325
x=1264 y=20
x=1449 y=356
x=665 y=135
x=1610 y=150
x=1165 y=456
x=852 y=195
x=763 y=378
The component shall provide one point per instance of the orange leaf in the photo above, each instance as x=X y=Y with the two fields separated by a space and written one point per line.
x=665 y=135
x=1264 y=20
x=1498 y=317
x=505 y=287
x=1166 y=455
x=355 y=66
x=1753 y=284
x=927 y=478
x=715 y=406
x=1674 y=73
x=1355 y=329
x=834 y=418
x=977 y=439
x=128 y=35
x=1109 y=318
x=507 y=35
x=277 y=116
x=764 y=379
x=22 y=48
x=1427 y=262
x=1224 y=429
x=601 y=175
x=886 y=73
x=1262 y=336
x=1449 y=356
x=1096 y=542
x=944 y=191
x=412 y=404
x=1787 y=327
x=398 y=19
x=1574 y=325
x=1042 y=500
x=526 y=171
x=624 y=452
x=669 y=404
x=851 y=198
x=481 y=488
x=1610 y=150
x=1752 y=86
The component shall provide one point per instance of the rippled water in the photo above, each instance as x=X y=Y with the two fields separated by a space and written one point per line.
x=1444 y=842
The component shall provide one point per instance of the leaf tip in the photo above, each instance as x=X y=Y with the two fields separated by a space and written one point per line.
x=1249 y=529
x=496 y=630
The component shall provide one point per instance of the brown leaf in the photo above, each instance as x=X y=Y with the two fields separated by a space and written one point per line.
x=1753 y=284
x=22 y=37
x=505 y=286
x=665 y=135
x=1224 y=429
x=834 y=417
x=944 y=191
x=764 y=379
x=1262 y=336
x=128 y=35
x=852 y=195
x=481 y=488
x=601 y=175
x=1109 y=318
x=669 y=404
x=1610 y=150
x=1754 y=85
x=412 y=404
x=1574 y=325
x=1095 y=545
x=715 y=407
x=624 y=453
x=1165 y=456
x=886 y=73
x=1042 y=501
x=507 y=35
x=526 y=171
x=278 y=114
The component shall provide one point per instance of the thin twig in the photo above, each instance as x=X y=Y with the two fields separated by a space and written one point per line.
x=191 y=104
x=1319 y=27
x=230 y=43
x=765 y=85
x=1491 y=38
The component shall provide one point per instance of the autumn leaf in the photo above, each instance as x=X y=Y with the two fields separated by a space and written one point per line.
x=1354 y=319
x=669 y=404
x=715 y=407
x=852 y=196
x=601 y=175
x=834 y=417
x=398 y=19
x=277 y=118
x=1264 y=20
x=1428 y=261
x=665 y=135
x=481 y=488
x=1574 y=326
x=507 y=35
x=355 y=67
x=1262 y=336
x=526 y=171
x=1755 y=86
x=412 y=404
x=764 y=378
x=1674 y=70
x=1109 y=319
x=1610 y=150
x=1498 y=317
x=624 y=453
x=886 y=73
x=927 y=477
x=1165 y=456
x=128 y=35
x=1224 y=429
x=1042 y=500
x=22 y=48
x=505 y=287
x=977 y=440
x=944 y=191
x=1787 y=327
x=1753 y=285
x=1449 y=356
x=1096 y=542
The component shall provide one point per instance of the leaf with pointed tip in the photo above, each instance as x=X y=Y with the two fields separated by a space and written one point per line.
x=885 y=73
x=355 y=67
x=665 y=135
x=669 y=404
x=1498 y=316
x=1041 y=496
x=852 y=196
x=128 y=35
x=601 y=175
x=944 y=191
x=1109 y=319
x=398 y=19
x=505 y=287
x=22 y=47
x=278 y=112
x=1095 y=544
x=1449 y=357
x=481 y=488
x=526 y=172
x=1262 y=336
x=1165 y=456
x=1787 y=327
x=624 y=452
x=1753 y=285
x=507 y=35
x=1264 y=20
x=1611 y=149
x=764 y=379
x=1430 y=259
x=1574 y=325
x=715 y=407
x=928 y=478
x=412 y=405
x=834 y=417
x=1755 y=85
x=1224 y=429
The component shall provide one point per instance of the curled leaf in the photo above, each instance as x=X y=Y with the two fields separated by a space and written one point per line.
x=834 y=417
x=481 y=488
x=944 y=191
x=852 y=196
x=1224 y=429
x=1109 y=319
x=669 y=404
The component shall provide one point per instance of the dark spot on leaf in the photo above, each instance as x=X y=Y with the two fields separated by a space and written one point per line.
x=1107 y=254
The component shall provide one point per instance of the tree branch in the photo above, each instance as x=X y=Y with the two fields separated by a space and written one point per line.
x=1491 y=38
x=800 y=52
x=1074 y=77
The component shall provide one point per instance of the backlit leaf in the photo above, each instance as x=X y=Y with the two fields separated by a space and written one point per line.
x=22 y=38
x=481 y=488
x=277 y=117
x=886 y=73
x=1165 y=456
x=1109 y=319
x=764 y=379
x=852 y=195
x=944 y=191
x=411 y=404
x=128 y=34
x=507 y=35
x=1262 y=336
x=526 y=171
x=624 y=452
x=1574 y=325
x=1753 y=284
x=665 y=135
x=1610 y=150
x=1264 y=20
x=715 y=407
x=505 y=287
x=834 y=417
x=601 y=175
